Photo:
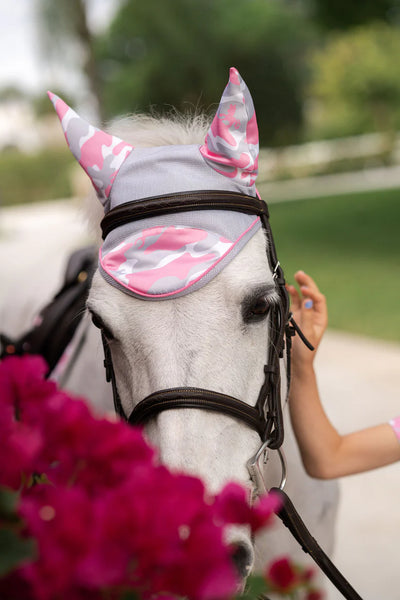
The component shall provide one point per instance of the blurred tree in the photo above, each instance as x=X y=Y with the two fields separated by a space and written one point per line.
x=42 y=107
x=356 y=81
x=342 y=14
x=12 y=92
x=178 y=53
x=65 y=28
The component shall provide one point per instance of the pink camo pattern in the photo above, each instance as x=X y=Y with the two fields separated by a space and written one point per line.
x=100 y=154
x=146 y=261
x=231 y=146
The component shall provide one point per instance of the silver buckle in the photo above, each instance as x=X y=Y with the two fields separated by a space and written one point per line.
x=255 y=470
x=274 y=274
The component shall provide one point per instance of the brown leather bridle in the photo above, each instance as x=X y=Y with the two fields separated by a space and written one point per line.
x=266 y=416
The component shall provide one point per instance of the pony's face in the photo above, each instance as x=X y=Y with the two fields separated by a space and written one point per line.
x=212 y=331
x=214 y=338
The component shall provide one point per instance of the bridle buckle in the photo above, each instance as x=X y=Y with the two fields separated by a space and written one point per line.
x=256 y=472
x=275 y=272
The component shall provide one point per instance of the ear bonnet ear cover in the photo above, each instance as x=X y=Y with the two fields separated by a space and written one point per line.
x=171 y=255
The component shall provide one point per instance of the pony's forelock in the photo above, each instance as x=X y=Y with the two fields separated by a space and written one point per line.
x=148 y=130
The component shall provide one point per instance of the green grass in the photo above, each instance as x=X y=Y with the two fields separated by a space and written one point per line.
x=351 y=245
x=34 y=177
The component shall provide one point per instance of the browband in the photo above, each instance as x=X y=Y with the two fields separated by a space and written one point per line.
x=181 y=202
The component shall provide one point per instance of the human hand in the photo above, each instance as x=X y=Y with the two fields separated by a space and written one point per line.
x=310 y=313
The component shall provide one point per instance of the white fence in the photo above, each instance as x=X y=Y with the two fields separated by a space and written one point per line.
x=329 y=156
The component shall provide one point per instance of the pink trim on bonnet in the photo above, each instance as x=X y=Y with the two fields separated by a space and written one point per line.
x=108 y=265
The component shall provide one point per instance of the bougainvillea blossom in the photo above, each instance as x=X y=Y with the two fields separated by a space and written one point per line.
x=101 y=508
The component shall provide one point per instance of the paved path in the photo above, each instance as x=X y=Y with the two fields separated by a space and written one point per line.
x=359 y=383
x=358 y=380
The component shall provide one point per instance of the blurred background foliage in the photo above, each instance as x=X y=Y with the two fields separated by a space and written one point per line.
x=178 y=53
x=355 y=84
x=316 y=69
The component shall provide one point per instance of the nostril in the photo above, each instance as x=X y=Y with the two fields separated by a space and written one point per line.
x=242 y=557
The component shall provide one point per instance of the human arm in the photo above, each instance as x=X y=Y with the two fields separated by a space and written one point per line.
x=325 y=453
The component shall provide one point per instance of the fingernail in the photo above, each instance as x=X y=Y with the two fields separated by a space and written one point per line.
x=308 y=303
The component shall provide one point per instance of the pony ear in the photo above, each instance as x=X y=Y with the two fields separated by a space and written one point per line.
x=100 y=154
x=231 y=146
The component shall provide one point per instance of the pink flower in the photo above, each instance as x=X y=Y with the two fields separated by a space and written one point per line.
x=19 y=442
x=63 y=524
x=20 y=446
x=314 y=595
x=96 y=453
x=179 y=550
x=232 y=506
x=110 y=518
x=23 y=385
x=282 y=575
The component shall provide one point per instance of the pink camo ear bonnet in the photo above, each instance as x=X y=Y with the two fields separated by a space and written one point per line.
x=171 y=255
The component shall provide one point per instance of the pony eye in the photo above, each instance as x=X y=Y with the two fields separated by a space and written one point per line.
x=256 y=308
x=261 y=307
x=98 y=322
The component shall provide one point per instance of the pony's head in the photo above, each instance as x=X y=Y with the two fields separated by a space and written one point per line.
x=183 y=297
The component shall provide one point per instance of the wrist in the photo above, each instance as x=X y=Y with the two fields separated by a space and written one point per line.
x=303 y=367
x=302 y=370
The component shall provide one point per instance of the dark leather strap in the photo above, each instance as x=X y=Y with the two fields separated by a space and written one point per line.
x=269 y=402
x=174 y=398
x=110 y=377
x=292 y=520
x=181 y=202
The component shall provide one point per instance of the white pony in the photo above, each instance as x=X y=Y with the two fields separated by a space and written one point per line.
x=205 y=329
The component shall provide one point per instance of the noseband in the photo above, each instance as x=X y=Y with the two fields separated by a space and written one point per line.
x=266 y=416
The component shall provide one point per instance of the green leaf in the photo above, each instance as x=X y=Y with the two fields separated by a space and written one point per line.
x=8 y=505
x=13 y=550
x=130 y=595
x=256 y=586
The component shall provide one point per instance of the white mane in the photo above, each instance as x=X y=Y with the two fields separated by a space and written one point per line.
x=143 y=131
